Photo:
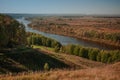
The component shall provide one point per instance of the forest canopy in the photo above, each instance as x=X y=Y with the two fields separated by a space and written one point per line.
x=12 y=32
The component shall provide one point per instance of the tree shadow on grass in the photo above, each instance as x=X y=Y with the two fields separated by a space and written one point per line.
x=32 y=60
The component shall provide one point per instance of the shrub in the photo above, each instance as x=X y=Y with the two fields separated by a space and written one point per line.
x=46 y=66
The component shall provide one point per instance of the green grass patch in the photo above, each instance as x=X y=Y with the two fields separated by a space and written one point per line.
x=43 y=48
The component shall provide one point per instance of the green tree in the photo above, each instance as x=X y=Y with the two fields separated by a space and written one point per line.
x=3 y=37
x=71 y=49
x=105 y=56
x=83 y=52
x=76 y=50
x=99 y=57
x=12 y=32
x=93 y=54
x=115 y=55
x=48 y=42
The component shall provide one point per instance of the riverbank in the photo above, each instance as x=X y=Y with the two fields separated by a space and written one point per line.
x=105 y=43
x=106 y=36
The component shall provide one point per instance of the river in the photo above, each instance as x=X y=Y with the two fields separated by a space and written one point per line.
x=64 y=40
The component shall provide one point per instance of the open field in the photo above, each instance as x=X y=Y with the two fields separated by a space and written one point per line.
x=101 y=24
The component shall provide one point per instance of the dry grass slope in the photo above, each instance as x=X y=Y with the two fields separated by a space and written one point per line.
x=110 y=72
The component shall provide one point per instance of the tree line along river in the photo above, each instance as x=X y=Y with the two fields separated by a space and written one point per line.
x=64 y=40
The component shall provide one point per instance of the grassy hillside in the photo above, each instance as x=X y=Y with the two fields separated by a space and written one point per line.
x=110 y=72
x=27 y=59
x=72 y=60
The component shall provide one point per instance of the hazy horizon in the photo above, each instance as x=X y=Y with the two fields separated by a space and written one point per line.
x=76 y=7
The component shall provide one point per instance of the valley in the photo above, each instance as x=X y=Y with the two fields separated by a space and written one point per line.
x=103 y=31
x=26 y=54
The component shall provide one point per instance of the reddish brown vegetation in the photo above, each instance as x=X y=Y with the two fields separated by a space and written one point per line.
x=111 y=72
x=87 y=28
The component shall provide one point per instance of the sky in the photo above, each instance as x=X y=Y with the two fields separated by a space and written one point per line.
x=61 y=6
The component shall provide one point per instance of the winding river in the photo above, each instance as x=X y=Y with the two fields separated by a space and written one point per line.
x=64 y=40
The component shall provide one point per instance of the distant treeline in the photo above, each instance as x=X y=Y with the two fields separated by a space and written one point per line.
x=111 y=40
x=92 y=53
x=106 y=36
x=37 y=39
x=12 y=32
